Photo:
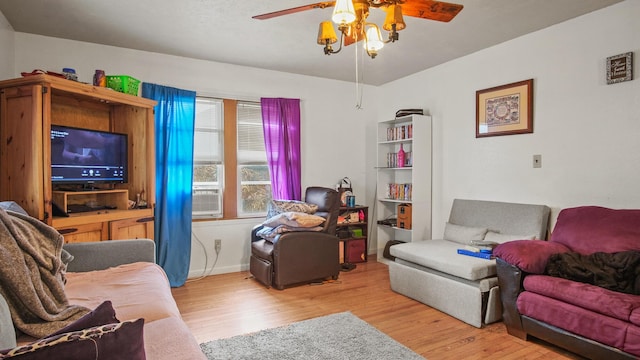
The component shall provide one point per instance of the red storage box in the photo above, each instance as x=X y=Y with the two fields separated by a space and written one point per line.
x=355 y=251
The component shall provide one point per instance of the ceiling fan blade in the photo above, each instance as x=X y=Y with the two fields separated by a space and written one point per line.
x=432 y=10
x=320 y=5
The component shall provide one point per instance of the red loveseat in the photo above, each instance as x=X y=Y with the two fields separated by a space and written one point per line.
x=589 y=320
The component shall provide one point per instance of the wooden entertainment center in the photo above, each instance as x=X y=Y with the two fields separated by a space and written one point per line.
x=28 y=108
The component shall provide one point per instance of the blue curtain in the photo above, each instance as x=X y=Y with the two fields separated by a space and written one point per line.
x=174 y=129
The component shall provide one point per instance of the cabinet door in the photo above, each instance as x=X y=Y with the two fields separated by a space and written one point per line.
x=135 y=228
x=23 y=151
x=85 y=232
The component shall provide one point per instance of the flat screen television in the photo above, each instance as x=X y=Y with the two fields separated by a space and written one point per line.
x=86 y=157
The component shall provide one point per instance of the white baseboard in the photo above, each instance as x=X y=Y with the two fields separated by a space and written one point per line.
x=218 y=270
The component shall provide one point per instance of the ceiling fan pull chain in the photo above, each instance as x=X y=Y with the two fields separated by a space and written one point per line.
x=361 y=82
x=358 y=87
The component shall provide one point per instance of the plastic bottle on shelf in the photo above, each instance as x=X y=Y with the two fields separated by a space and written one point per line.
x=400 y=157
x=70 y=74
x=99 y=79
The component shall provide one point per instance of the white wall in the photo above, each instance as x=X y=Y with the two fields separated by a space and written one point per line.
x=7 y=46
x=333 y=144
x=587 y=132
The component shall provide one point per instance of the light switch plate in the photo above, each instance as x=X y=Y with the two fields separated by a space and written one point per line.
x=537 y=161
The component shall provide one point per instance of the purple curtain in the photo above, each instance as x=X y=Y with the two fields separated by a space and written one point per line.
x=281 y=124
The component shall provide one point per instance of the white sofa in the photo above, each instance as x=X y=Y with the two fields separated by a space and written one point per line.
x=465 y=287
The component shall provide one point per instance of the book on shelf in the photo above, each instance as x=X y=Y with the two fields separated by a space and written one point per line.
x=392 y=159
x=399 y=191
x=401 y=132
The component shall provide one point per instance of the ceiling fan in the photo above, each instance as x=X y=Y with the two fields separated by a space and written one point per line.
x=351 y=16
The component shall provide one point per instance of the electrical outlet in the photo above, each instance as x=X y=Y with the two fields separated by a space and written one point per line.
x=537 y=161
x=218 y=245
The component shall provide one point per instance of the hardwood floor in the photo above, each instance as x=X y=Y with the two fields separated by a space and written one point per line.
x=226 y=305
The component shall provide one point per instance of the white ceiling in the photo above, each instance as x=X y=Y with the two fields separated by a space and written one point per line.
x=223 y=31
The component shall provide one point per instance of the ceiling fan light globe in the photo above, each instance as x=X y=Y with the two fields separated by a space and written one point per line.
x=326 y=33
x=394 y=17
x=373 y=39
x=343 y=12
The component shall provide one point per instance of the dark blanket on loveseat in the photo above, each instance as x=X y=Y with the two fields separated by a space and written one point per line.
x=614 y=271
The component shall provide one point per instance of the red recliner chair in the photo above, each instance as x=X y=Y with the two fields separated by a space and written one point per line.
x=300 y=257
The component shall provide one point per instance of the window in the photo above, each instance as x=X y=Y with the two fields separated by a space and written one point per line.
x=253 y=171
x=231 y=175
x=208 y=159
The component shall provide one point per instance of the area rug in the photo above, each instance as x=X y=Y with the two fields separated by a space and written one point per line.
x=337 y=336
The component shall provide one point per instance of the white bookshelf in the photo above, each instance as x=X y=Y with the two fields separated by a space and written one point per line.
x=418 y=175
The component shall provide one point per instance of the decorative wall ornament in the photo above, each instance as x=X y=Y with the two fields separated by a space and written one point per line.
x=505 y=110
x=620 y=68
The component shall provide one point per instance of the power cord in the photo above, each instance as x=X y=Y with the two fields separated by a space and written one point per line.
x=205 y=272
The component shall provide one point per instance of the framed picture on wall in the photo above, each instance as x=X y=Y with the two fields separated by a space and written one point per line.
x=620 y=68
x=505 y=109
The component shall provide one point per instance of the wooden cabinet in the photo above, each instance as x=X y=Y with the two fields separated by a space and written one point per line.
x=112 y=198
x=96 y=231
x=106 y=225
x=352 y=229
x=22 y=137
x=28 y=108
x=404 y=186
x=132 y=228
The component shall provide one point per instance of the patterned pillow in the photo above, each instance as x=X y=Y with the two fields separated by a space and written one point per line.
x=106 y=342
x=279 y=206
x=294 y=219
x=103 y=314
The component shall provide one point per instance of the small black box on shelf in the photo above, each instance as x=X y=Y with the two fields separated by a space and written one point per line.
x=405 y=112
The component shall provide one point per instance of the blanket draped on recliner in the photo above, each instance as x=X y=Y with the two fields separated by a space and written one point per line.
x=31 y=275
x=614 y=271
